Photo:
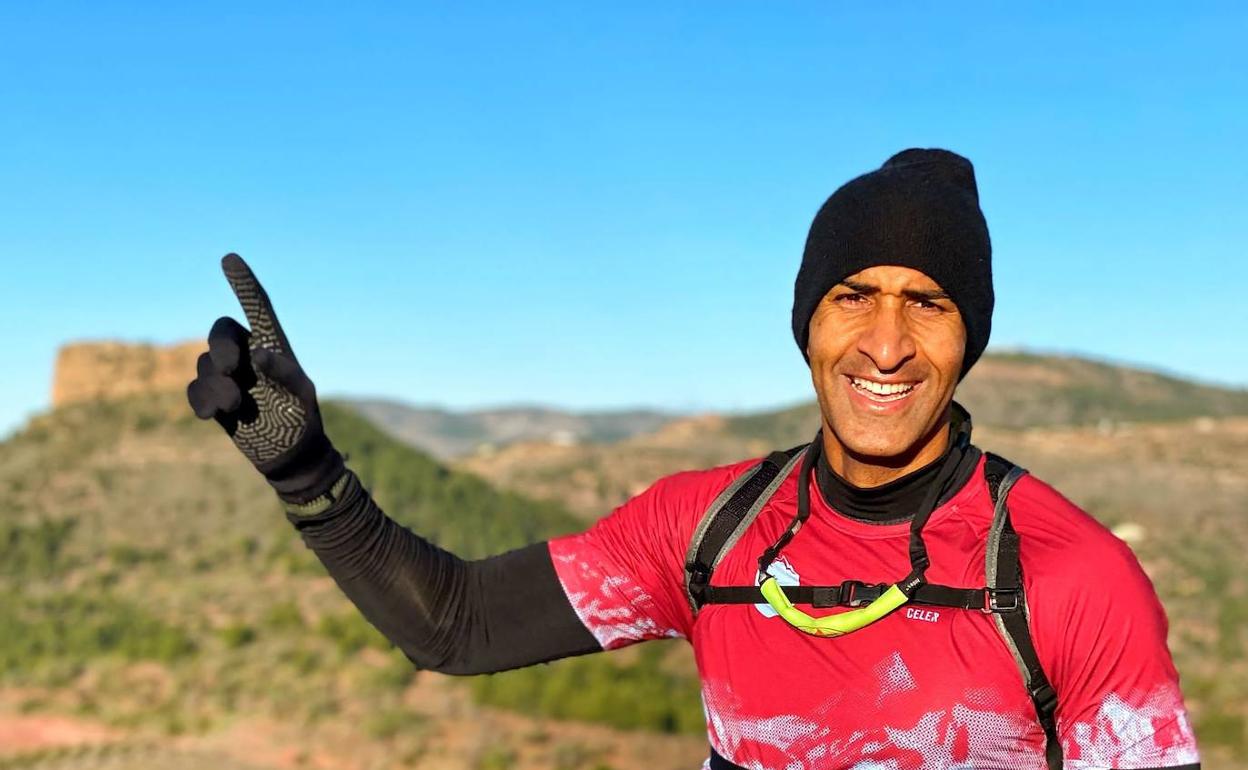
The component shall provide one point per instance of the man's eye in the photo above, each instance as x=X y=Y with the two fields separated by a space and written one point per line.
x=850 y=299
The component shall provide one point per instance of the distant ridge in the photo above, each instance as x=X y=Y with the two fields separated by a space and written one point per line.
x=110 y=370
x=448 y=434
x=1013 y=390
x=1020 y=390
x=1006 y=392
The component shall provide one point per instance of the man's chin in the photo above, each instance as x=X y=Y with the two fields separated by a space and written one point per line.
x=878 y=439
x=884 y=453
x=869 y=442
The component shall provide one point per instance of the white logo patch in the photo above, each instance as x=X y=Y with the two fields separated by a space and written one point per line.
x=785 y=575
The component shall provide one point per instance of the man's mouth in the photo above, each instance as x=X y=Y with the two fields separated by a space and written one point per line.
x=882 y=392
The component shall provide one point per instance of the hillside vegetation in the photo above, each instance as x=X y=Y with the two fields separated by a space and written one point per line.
x=156 y=586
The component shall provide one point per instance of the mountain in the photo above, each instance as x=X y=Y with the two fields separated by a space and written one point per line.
x=448 y=434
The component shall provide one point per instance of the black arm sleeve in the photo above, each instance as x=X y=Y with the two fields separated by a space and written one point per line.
x=446 y=614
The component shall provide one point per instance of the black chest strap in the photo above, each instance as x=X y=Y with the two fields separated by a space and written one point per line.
x=855 y=593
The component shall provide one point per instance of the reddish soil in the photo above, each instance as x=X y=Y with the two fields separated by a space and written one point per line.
x=20 y=733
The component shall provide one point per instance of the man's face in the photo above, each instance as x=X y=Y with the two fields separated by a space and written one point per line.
x=885 y=349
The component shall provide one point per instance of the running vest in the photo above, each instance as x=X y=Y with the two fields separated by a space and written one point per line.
x=734 y=510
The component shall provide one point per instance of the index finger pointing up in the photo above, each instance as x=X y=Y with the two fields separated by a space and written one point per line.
x=266 y=332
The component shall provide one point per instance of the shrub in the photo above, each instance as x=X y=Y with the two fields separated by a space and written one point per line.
x=1223 y=730
x=638 y=695
x=62 y=632
x=497 y=758
x=352 y=633
x=284 y=615
x=237 y=635
x=34 y=550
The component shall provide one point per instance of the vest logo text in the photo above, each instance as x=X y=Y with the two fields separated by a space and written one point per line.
x=930 y=616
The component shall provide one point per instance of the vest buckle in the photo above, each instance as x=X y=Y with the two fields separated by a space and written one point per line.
x=997 y=600
x=855 y=593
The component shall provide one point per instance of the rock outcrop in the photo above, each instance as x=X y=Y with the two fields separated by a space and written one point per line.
x=93 y=370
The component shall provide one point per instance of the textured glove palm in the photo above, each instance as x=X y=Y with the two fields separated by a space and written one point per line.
x=251 y=383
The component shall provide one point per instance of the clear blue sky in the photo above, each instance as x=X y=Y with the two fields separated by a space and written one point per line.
x=603 y=204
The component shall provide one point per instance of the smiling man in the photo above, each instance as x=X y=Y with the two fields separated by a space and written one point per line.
x=888 y=596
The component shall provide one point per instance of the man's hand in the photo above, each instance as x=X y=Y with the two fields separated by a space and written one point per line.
x=251 y=383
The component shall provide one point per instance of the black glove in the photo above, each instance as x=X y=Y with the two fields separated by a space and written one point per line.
x=252 y=385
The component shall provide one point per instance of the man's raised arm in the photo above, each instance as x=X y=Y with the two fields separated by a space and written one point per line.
x=444 y=613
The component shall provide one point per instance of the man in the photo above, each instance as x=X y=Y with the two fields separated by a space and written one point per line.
x=988 y=622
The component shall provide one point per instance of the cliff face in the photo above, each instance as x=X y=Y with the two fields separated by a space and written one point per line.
x=92 y=370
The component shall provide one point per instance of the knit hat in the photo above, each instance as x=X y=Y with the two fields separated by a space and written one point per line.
x=919 y=210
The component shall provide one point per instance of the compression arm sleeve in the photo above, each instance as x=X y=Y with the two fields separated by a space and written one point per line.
x=446 y=614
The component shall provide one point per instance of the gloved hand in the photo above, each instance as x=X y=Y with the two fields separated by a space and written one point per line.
x=251 y=383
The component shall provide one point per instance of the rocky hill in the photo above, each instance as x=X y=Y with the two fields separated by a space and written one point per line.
x=95 y=370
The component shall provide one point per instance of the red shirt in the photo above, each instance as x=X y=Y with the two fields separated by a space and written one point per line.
x=925 y=687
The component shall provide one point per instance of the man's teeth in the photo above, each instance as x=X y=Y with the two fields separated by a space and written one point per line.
x=898 y=389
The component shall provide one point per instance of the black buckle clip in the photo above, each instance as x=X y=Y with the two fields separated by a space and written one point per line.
x=1045 y=698
x=698 y=575
x=855 y=593
x=993 y=600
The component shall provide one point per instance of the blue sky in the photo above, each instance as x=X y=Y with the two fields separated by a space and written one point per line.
x=603 y=205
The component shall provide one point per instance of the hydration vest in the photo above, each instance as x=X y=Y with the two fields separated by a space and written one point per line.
x=735 y=509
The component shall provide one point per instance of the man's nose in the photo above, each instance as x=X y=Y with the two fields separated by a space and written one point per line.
x=887 y=341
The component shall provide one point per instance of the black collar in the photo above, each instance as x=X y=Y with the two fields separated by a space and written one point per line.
x=899 y=499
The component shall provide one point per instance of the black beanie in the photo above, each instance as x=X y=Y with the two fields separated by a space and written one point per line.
x=919 y=210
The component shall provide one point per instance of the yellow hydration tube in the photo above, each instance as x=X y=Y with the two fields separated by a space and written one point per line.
x=831 y=625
